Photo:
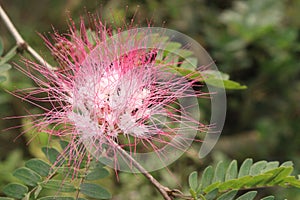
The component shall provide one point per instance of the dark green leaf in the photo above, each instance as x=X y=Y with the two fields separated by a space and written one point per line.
x=219 y=172
x=53 y=156
x=232 y=170
x=248 y=196
x=96 y=174
x=258 y=167
x=28 y=176
x=207 y=177
x=58 y=186
x=228 y=195
x=15 y=190
x=94 y=191
x=56 y=198
x=245 y=168
x=63 y=144
x=39 y=166
x=193 y=180
x=5 y=67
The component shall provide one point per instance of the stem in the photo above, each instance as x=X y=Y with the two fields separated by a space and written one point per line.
x=22 y=45
x=164 y=191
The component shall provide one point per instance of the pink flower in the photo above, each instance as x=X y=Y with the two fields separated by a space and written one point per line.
x=115 y=90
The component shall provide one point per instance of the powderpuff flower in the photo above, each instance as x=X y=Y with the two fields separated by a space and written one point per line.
x=115 y=90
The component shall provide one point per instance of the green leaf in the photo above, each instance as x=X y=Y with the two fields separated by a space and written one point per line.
x=227 y=84
x=232 y=171
x=248 y=196
x=193 y=180
x=37 y=191
x=63 y=144
x=257 y=180
x=210 y=79
x=258 y=167
x=96 y=174
x=58 y=185
x=235 y=183
x=53 y=156
x=268 y=198
x=287 y=164
x=9 y=55
x=15 y=190
x=207 y=177
x=212 y=194
x=39 y=166
x=271 y=165
x=2 y=79
x=28 y=176
x=228 y=195
x=245 y=168
x=212 y=187
x=280 y=174
x=5 y=67
x=56 y=198
x=219 y=172
x=94 y=191
x=293 y=181
x=172 y=46
x=189 y=63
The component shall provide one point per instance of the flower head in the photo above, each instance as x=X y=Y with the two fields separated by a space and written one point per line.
x=113 y=91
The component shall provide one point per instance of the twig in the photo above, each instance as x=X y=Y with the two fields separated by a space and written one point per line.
x=22 y=45
x=164 y=191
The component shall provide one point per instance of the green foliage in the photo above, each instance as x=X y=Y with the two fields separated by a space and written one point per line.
x=56 y=176
x=224 y=182
x=174 y=53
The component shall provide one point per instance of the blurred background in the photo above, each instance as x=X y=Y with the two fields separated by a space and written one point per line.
x=256 y=42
